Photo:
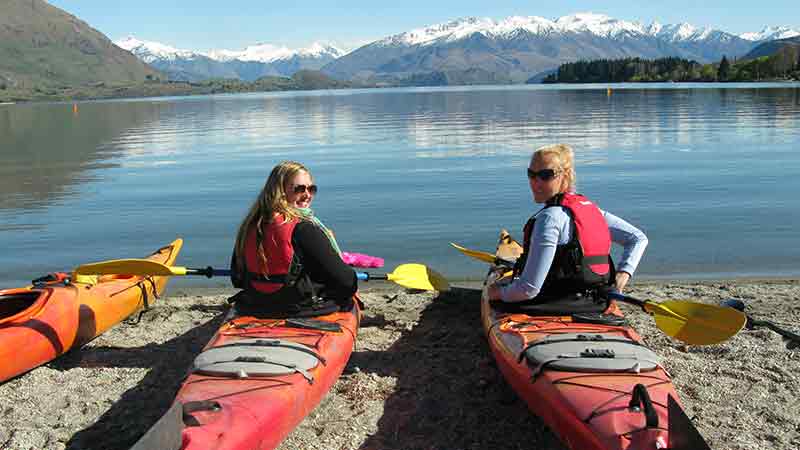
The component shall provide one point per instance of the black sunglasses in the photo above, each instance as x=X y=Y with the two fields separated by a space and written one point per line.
x=544 y=174
x=300 y=188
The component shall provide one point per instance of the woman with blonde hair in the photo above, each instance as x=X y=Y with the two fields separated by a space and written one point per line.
x=566 y=261
x=287 y=262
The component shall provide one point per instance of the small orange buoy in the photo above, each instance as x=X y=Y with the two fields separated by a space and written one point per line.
x=74 y=108
x=608 y=92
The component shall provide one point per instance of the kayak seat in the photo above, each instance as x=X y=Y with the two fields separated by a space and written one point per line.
x=590 y=353
x=313 y=324
x=600 y=319
x=258 y=358
x=562 y=306
x=13 y=304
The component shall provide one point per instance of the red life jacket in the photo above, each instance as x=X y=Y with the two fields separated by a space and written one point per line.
x=282 y=265
x=584 y=263
x=283 y=288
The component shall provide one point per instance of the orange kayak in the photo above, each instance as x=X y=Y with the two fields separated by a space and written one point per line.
x=589 y=377
x=255 y=381
x=40 y=322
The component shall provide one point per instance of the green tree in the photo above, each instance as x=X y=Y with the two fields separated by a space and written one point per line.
x=708 y=73
x=724 y=69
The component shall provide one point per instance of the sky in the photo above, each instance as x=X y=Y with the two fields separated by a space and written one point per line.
x=203 y=25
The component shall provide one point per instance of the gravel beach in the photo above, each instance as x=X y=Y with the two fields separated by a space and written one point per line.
x=421 y=376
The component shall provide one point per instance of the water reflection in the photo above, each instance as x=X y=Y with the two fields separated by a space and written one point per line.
x=403 y=171
x=48 y=151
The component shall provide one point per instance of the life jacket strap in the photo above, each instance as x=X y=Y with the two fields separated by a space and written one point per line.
x=272 y=278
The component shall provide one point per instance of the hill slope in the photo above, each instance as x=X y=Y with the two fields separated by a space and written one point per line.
x=41 y=45
x=772 y=47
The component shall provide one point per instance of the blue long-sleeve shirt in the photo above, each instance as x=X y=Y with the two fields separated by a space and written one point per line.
x=552 y=228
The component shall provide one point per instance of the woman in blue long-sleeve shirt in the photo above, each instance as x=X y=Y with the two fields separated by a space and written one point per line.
x=567 y=243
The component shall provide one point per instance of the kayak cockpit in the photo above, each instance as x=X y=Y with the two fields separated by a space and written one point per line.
x=16 y=304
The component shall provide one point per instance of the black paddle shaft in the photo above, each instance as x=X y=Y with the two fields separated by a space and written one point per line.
x=794 y=338
x=364 y=276
x=613 y=294
x=212 y=272
x=209 y=272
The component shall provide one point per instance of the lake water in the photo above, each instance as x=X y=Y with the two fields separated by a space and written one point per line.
x=710 y=172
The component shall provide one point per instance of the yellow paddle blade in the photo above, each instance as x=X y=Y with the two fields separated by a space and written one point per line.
x=142 y=267
x=418 y=276
x=438 y=281
x=483 y=256
x=696 y=323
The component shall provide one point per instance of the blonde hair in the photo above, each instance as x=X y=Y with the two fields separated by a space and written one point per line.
x=270 y=201
x=565 y=157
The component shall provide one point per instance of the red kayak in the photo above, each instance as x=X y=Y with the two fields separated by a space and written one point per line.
x=589 y=377
x=254 y=382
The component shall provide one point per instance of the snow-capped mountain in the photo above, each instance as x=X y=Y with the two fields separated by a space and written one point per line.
x=680 y=32
x=182 y=65
x=267 y=53
x=526 y=46
x=249 y=64
x=149 y=51
x=599 y=25
x=770 y=34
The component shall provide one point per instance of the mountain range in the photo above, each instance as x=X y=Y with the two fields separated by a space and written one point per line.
x=44 y=49
x=528 y=48
x=471 y=50
x=249 y=64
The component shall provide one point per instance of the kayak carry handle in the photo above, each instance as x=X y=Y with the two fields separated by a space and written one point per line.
x=640 y=396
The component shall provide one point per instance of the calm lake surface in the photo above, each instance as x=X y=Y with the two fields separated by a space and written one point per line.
x=711 y=174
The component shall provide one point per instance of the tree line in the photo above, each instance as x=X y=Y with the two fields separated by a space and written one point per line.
x=783 y=65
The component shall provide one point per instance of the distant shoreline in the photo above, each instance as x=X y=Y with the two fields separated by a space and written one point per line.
x=180 y=89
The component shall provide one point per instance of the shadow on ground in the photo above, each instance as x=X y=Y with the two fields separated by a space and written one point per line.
x=449 y=394
x=141 y=406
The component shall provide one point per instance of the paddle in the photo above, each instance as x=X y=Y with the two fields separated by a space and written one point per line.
x=792 y=338
x=483 y=256
x=413 y=276
x=689 y=322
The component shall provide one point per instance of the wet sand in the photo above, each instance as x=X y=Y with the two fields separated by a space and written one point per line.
x=421 y=376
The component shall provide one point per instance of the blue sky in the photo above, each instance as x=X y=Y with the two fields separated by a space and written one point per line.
x=207 y=24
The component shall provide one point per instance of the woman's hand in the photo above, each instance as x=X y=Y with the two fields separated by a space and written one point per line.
x=621 y=281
